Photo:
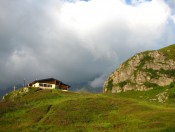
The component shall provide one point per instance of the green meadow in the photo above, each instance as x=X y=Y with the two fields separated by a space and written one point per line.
x=54 y=110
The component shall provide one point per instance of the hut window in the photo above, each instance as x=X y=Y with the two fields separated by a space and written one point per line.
x=40 y=84
x=45 y=85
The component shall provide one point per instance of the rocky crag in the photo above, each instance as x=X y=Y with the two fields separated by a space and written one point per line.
x=143 y=71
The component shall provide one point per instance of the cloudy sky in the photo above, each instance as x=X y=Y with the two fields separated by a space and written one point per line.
x=78 y=41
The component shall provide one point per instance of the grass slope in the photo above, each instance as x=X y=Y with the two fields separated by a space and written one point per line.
x=53 y=110
x=169 y=51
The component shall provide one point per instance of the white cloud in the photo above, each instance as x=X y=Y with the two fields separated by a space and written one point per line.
x=97 y=82
x=109 y=19
x=173 y=17
x=88 y=17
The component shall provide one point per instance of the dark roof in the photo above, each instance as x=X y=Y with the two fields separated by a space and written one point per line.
x=48 y=79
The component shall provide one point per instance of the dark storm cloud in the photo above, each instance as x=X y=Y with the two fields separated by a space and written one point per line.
x=31 y=46
x=77 y=42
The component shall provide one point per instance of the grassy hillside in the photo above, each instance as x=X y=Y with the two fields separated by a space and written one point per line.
x=169 y=51
x=53 y=110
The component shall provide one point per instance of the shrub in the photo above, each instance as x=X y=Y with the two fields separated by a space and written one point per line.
x=171 y=85
x=145 y=59
x=153 y=73
x=110 y=84
x=122 y=84
x=168 y=72
x=148 y=84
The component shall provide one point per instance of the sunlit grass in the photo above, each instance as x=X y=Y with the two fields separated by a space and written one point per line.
x=52 y=110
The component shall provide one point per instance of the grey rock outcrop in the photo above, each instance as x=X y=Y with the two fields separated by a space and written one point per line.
x=143 y=71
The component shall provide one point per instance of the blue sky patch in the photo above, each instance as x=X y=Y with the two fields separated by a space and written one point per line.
x=85 y=0
x=129 y=2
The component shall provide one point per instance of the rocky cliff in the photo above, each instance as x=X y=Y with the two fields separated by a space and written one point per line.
x=144 y=71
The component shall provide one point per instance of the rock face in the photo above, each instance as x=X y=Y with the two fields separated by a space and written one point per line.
x=143 y=71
